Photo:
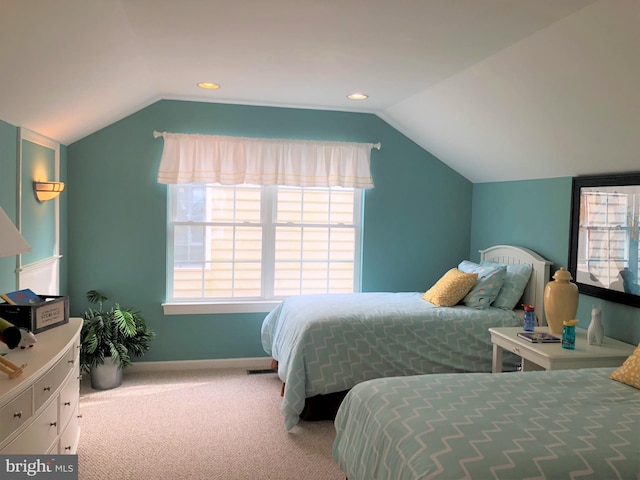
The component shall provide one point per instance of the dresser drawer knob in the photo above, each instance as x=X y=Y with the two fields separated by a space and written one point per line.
x=516 y=350
x=47 y=389
x=71 y=362
x=67 y=404
x=79 y=416
x=67 y=448
x=53 y=424
x=17 y=415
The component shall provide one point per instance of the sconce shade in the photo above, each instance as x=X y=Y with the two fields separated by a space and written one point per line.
x=11 y=242
x=47 y=190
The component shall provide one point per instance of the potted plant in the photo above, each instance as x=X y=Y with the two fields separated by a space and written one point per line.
x=110 y=337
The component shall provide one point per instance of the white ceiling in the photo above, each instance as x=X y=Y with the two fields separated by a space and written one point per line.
x=497 y=89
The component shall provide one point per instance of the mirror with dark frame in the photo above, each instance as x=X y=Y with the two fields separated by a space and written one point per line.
x=605 y=226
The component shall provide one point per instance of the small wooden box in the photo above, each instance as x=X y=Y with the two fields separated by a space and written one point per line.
x=38 y=317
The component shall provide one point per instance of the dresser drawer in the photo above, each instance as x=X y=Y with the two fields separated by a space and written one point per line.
x=70 y=437
x=46 y=387
x=39 y=435
x=70 y=358
x=16 y=413
x=69 y=396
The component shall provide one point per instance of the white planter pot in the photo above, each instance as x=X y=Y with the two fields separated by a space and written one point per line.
x=107 y=376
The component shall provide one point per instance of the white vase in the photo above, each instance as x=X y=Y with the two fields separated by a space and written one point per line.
x=595 y=332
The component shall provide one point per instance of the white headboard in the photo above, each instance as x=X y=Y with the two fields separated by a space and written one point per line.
x=540 y=275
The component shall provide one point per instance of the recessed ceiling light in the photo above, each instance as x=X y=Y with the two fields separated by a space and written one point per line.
x=208 y=86
x=357 y=96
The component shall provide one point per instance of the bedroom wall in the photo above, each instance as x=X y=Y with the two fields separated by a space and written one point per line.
x=416 y=220
x=536 y=214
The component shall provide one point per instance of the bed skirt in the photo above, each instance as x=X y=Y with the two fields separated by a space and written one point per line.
x=319 y=407
x=322 y=407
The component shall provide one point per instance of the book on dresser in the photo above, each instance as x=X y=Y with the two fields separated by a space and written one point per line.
x=21 y=297
x=539 y=337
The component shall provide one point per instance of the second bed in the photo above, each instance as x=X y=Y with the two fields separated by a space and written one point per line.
x=326 y=344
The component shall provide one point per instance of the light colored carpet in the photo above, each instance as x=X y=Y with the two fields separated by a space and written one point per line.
x=200 y=424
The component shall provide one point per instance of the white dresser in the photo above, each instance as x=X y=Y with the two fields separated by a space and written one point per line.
x=39 y=409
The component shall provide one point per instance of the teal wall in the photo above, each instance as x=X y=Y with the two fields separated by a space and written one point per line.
x=536 y=214
x=117 y=215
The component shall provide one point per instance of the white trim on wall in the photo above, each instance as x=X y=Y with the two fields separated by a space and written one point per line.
x=171 y=366
x=25 y=273
x=42 y=276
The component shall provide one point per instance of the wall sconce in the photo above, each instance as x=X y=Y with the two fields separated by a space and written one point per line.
x=47 y=190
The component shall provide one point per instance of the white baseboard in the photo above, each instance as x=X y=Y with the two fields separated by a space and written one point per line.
x=249 y=363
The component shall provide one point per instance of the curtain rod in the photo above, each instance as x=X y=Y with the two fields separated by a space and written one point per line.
x=157 y=134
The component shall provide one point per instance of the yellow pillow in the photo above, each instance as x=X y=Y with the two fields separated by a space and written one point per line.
x=629 y=371
x=451 y=288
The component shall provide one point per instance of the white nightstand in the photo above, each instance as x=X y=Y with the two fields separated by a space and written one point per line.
x=551 y=356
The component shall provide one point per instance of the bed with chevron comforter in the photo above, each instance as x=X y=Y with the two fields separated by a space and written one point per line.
x=549 y=424
x=329 y=343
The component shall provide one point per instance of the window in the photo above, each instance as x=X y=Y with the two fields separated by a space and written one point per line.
x=245 y=243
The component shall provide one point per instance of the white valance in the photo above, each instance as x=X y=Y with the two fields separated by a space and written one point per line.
x=190 y=158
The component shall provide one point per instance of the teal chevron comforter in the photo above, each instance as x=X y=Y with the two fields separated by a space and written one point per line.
x=537 y=425
x=329 y=343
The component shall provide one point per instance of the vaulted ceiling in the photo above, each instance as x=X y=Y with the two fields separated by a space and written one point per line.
x=496 y=89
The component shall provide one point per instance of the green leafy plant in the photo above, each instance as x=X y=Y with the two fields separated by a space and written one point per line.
x=117 y=332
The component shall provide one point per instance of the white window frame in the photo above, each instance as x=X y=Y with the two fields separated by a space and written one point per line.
x=268 y=207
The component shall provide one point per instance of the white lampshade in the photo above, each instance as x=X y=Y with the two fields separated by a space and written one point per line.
x=11 y=242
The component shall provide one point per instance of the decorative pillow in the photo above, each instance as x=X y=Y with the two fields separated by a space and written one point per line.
x=629 y=371
x=514 y=284
x=451 y=288
x=490 y=280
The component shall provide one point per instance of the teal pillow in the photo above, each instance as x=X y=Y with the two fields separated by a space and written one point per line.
x=490 y=280
x=514 y=284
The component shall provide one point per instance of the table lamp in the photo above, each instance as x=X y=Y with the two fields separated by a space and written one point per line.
x=11 y=242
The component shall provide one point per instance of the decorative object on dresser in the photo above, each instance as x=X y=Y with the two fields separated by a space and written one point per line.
x=11 y=369
x=21 y=297
x=39 y=409
x=595 y=332
x=109 y=339
x=560 y=300
x=47 y=312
